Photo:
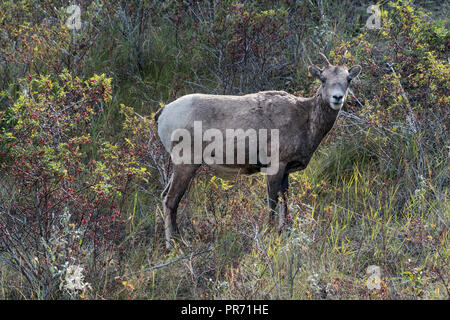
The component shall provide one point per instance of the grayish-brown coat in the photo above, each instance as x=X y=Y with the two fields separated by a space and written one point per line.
x=302 y=124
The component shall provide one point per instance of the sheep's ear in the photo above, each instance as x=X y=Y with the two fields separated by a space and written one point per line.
x=354 y=72
x=315 y=72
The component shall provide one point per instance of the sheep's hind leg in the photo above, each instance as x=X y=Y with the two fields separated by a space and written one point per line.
x=181 y=177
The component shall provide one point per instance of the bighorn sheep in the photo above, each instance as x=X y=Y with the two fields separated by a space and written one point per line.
x=301 y=124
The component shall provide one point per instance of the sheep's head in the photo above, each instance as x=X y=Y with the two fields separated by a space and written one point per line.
x=335 y=82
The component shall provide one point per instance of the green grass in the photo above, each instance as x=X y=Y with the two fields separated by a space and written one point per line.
x=340 y=225
x=368 y=197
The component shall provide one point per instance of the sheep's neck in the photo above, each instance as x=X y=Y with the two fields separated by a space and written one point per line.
x=321 y=119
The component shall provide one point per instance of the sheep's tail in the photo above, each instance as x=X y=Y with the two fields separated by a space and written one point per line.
x=158 y=113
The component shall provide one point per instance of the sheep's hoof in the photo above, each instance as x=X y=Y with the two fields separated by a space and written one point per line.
x=282 y=228
x=172 y=239
x=272 y=220
x=170 y=243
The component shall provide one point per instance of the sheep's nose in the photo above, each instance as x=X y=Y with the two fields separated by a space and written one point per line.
x=338 y=98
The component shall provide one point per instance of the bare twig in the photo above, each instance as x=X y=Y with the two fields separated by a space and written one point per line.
x=159 y=266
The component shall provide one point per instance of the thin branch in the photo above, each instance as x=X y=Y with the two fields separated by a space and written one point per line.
x=159 y=266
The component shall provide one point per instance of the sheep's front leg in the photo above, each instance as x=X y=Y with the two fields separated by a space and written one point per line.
x=284 y=205
x=274 y=186
x=181 y=177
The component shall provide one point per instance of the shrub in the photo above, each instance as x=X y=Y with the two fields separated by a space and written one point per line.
x=242 y=43
x=62 y=194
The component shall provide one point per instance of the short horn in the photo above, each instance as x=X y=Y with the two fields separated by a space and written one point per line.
x=325 y=57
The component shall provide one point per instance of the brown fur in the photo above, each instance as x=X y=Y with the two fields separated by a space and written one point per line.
x=302 y=124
